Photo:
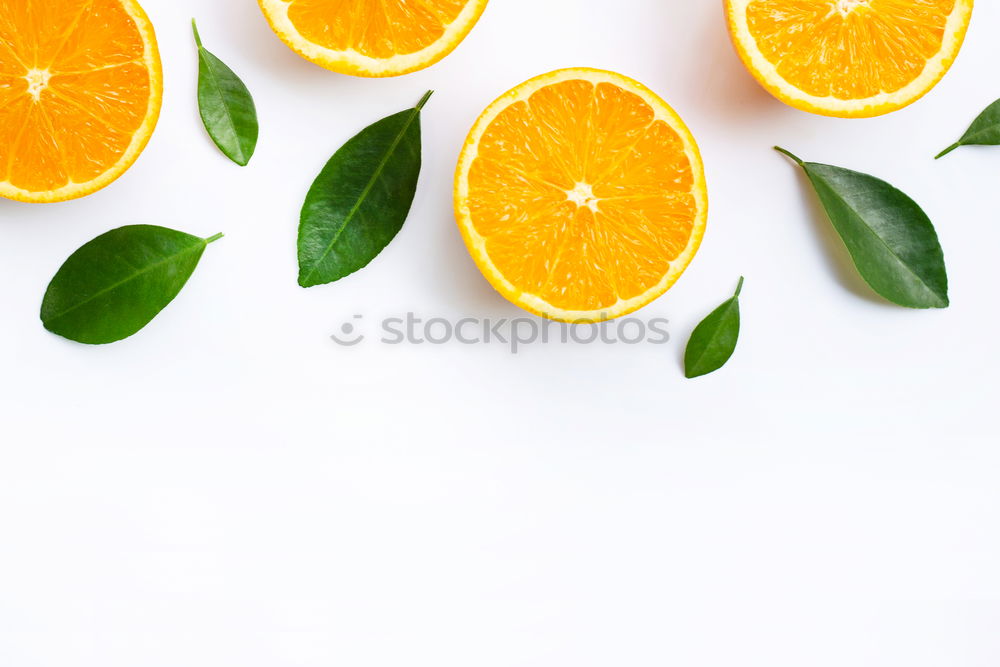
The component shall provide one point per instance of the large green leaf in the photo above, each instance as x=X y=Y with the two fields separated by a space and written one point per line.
x=117 y=283
x=226 y=106
x=360 y=200
x=713 y=342
x=891 y=240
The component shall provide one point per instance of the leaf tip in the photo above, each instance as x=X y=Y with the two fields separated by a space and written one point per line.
x=691 y=373
x=739 y=286
x=306 y=280
x=213 y=239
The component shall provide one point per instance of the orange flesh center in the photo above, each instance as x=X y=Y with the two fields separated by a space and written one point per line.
x=582 y=196
x=849 y=49
x=73 y=90
x=374 y=28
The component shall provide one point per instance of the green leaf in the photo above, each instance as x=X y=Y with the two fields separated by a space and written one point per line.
x=360 y=200
x=116 y=284
x=891 y=240
x=226 y=106
x=714 y=340
x=984 y=131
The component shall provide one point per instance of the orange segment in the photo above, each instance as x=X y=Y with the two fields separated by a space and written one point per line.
x=365 y=38
x=581 y=195
x=80 y=92
x=849 y=58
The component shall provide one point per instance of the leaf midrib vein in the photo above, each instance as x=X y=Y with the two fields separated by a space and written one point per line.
x=885 y=245
x=110 y=288
x=364 y=194
x=214 y=82
x=713 y=337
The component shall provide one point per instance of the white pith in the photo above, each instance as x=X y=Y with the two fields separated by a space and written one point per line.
x=38 y=80
x=583 y=195
x=845 y=7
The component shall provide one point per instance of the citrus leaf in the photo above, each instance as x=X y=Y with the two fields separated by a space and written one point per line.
x=226 y=106
x=713 y=341
x=117 y=283
x=984 y=131
x=360 y=200
x=892 y=241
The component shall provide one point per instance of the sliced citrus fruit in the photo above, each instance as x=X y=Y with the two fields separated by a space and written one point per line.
x=365 y=38
x=848 y=58
x=581 y=195
x=80 y=93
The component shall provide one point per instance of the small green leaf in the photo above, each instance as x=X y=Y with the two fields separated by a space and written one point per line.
x=714 y=340
x=360 y=200
x=117 y=283
x=226 y=106
x=891 y=240
x=984 y=131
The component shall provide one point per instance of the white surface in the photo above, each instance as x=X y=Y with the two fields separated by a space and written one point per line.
x=231 y=488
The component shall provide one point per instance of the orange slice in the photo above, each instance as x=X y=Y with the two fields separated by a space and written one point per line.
x=581 y=195
x=80 y=93
x=366 y=38
x=848 y=58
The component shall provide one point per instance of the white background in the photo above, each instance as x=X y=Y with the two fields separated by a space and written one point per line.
x=229 y=487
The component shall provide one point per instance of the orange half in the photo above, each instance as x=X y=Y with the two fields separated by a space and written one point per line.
x=848 y=58
x=80 y=93
x=581 y=195
x=366 y=38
